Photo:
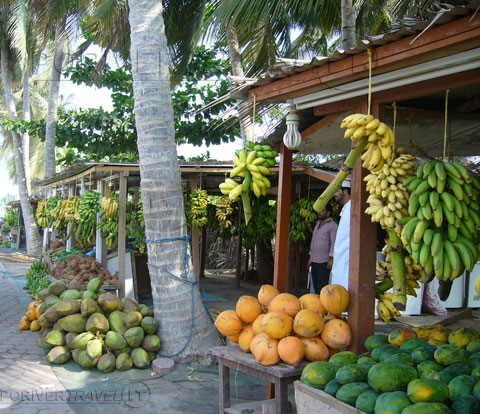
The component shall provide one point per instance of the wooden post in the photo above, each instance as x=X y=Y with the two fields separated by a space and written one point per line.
x=98 y=233
x=195 y=237
x=363 y=247
x=203 y=252
x=103 y=257
x=122 y=209
x=68 y=246
x=280 y=270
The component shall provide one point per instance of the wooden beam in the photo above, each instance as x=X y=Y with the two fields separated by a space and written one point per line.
x=280 y=270
x=122 y=209
x=319 y=174
x=416 y=90
x=363 y=247
x=327 y=120
x=443 y=40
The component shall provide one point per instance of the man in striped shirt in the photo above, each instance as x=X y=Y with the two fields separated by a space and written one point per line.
x=321 y=248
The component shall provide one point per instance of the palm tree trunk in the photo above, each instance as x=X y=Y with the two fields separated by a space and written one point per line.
x=162 y=192
x=26 y=117
x=246 y=127
x=34 y=244
x=348 y=25
x=53 y=96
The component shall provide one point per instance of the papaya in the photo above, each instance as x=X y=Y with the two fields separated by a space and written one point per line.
x=317 y=374
x=349 y=393
x=430 y=365
x=386 y=377
x=465 y=404
x=476 y=390
x=454 y=370
x=423 y=353
x=344 y=358
x=379 y=351
x=462 y=336
x=412 y=344
x=427 y=408
x=332 y=387
x=392 y=402
x=450 y=354
x=425 y=331
x=351 y=373
x=374 y=341
x=366 y=401
x=473 y=346
x=400 y=358
x=427 y=390
x=461 y=385
x=399 y=335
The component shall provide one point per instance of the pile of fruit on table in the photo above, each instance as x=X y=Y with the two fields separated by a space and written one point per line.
x=278 y=326
x=93 y=327
x=426 y=370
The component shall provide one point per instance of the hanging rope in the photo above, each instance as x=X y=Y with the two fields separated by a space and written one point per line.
x=446 y=125
x=369 y=51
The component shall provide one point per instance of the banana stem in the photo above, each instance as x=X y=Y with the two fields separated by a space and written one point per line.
x=247 y=208
x=347 y=166
x=382 y=287
x=399 y=298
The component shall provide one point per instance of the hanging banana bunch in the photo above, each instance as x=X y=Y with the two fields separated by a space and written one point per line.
x=109 y=205
x=302 y=221
x=138 y=227
x=442 y=230
x=223 y=212
x=199 y=204
x=88 y=208
x=252 y=165
x=43 y=219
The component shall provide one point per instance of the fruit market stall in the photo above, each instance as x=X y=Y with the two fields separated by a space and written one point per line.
x=84 y=206
x=424 y=85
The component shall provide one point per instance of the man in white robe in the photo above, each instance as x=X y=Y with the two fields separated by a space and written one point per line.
x=341 y=251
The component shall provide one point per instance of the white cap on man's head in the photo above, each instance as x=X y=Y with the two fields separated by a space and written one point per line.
x=346 y=184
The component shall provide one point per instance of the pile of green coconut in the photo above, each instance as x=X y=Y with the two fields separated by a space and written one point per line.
x=95 y=328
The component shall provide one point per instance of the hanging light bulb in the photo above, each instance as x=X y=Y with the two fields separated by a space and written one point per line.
x=292 y=137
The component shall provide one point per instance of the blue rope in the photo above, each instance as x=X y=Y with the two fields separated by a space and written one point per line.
x=183 y=278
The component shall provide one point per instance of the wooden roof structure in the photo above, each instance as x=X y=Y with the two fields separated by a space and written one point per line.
x=412 y=70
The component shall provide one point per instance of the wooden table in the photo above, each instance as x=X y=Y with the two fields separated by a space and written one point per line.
x=233 y=357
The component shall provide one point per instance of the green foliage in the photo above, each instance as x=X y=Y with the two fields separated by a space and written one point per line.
x=37 y=277
x=98 y=135
x=7 y=244
x=11 y=217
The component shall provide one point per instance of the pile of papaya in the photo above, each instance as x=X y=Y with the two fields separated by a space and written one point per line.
x=425 y=370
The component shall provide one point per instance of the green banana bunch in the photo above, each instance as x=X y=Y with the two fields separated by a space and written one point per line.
x=88 y=208
x=262 y=226
x=442 y=230
x=388 y=199
x=198 y=207
x=302 y=221
x=381 y=140
x=138 y=227
x=253 y=165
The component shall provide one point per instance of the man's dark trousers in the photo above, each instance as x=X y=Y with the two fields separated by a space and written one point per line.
x=320 y=275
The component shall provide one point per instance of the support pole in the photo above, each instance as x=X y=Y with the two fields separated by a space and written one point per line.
x=98 y=233
x=363 y=247
x=68 y=246
x=203 y=251
x=195 y=237
x=122 y=209
x=280 y=271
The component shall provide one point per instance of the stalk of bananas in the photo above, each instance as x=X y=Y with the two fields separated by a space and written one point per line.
x=199 y=204
x=302 y=221
x=379 y=150
x=388 y=200
x=263 y=225
x=88 y=208
x=252 y=165
x=69 y=209
x=43 y=219
x=385 y=308
x=109 y=205
x=138 y=227
x=223 y=211
x=442 y=230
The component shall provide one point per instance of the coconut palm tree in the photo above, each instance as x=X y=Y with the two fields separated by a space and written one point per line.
x=174 y=296
x=8 y=61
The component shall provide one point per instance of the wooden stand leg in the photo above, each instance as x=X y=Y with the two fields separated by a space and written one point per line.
x=223 y=387
x=281 y=397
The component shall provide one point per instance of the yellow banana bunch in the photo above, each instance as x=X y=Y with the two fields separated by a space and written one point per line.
x=42 y=214
x=223 y=211
x=379 y=150
x=199 y=208
x=109 y=205
x=413 y=271
x=385 y=308
x=388 y=200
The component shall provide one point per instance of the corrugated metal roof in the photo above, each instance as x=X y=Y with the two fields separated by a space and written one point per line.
x=406 y=27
